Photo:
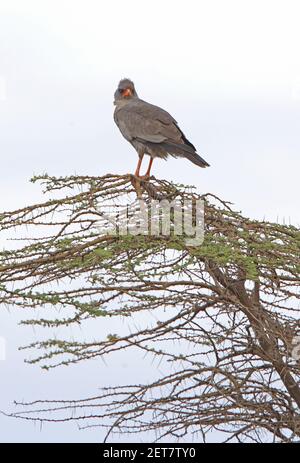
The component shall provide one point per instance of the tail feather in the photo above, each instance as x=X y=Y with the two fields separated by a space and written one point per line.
x=186 y=151
x=196 y=159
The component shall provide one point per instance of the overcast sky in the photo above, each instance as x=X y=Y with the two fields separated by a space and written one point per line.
x=229 y=72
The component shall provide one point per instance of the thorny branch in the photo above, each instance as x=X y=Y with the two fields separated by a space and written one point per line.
x=226 y=312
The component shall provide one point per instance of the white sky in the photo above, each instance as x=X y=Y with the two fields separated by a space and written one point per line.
x=229 y=72
x=239 y=45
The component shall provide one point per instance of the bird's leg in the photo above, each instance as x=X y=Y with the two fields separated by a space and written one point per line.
x=137 y=170
x=147 y=174
x=136 y=178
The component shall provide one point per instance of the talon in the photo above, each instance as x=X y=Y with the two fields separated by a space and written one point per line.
x=136 y=183
x=145 y=178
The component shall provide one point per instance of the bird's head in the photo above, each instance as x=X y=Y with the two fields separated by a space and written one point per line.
x=125 y=91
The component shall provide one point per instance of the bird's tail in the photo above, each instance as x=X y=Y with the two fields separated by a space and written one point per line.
x=185 y=151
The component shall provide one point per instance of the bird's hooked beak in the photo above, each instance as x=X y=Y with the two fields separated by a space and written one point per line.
x=127 y=92
x=122 y=94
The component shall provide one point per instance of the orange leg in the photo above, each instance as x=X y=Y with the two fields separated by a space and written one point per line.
x=149 y=168
x=137 y=170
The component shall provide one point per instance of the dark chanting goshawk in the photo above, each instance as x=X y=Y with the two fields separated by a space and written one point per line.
x=150 y=129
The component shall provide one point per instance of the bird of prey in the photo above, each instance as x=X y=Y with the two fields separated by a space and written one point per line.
x=150 y=129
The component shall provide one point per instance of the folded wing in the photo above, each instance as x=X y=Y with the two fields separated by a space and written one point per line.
x=149 y=124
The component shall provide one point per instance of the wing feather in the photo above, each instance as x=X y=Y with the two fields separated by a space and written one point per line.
x=142 y=120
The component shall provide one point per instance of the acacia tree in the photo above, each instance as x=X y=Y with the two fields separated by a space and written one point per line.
x=222 y=315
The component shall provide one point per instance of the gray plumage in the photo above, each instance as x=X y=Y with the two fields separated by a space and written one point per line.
x=150 y=129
